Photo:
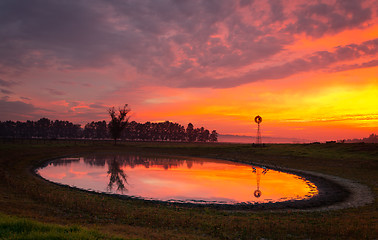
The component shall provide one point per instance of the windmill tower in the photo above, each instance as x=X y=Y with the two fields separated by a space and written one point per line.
x=258 y=120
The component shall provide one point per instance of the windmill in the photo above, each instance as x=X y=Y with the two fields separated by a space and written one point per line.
x=258 y=120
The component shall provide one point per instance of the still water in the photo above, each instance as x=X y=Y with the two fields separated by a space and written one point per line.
x=190 y=180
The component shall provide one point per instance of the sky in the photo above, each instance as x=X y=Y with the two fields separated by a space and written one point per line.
x=308 y=68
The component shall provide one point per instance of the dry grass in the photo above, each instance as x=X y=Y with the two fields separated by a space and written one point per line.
x=25 y=195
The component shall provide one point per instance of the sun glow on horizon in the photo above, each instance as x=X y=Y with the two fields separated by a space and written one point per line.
x=310 y=69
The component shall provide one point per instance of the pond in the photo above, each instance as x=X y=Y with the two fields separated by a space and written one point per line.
x=177 y=179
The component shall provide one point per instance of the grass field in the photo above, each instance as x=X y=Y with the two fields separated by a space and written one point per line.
x=30 y=205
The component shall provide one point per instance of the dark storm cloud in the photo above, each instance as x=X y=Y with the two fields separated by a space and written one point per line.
x=174 y=43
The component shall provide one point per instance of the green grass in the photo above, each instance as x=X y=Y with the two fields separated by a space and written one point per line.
x=24 y=195
x=21 y=228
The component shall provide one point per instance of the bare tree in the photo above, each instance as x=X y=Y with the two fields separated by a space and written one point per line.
x=118 y=122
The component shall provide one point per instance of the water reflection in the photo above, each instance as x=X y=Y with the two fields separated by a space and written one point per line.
x=129 y=161
x=258 y=172
x=117 y=176
x=194 y=180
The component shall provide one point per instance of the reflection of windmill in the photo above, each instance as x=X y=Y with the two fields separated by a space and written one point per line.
x=258 y=171
x=258 y=120
x=117 y=176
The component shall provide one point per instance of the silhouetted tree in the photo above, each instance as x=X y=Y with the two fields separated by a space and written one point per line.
x=89 y=130
x=118 y=122
x=161 y=131
x=213 y=136
x=190 y=133
x=96 y=130
x=373 y=138
x=43 y=127
x=203 y=135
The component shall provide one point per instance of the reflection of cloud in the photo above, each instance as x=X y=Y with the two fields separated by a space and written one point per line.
x=96 y=174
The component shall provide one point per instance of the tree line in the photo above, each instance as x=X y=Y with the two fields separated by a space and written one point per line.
x=373 y=138
x=133 y=131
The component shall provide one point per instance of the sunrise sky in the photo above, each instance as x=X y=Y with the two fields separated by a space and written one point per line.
x=309 y=68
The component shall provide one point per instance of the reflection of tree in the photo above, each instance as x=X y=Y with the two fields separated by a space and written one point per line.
x=258 y=172
x=117 y=176
x=189 y=164
x=133 y=161
x=65 y=161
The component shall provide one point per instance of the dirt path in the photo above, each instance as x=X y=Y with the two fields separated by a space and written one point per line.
x=357 y=194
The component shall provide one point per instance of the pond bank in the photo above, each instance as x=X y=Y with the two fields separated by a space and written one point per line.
x=24 y=195
x=333 y=193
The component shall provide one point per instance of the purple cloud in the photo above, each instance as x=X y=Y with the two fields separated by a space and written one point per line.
x=17 y=110
x=317 y=19
x=5 y=83
x=98 y=105
x=67 y=82
x=321 y=60
x=4 y=91
x=55 y=92
x=86 y=85
x=170 y=42
x=346 y=67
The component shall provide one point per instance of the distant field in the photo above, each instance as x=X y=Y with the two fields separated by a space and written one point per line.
x=36 y=202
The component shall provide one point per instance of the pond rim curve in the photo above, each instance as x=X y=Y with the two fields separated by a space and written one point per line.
x=330 y=192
